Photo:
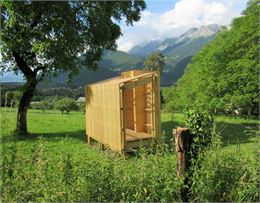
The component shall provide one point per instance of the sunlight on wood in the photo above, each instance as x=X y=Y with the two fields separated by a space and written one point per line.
x=124 y=111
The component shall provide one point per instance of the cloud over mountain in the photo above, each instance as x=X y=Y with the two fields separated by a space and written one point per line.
x=184 y=15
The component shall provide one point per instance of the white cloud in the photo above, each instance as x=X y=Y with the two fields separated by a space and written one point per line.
x=184 y=15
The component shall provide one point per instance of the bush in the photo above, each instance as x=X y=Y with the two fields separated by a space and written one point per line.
x=42 y=105
x=200 y=125
x=226 y=177
x=66 y=104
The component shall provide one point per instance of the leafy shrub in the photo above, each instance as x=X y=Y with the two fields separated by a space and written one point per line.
x=42 y=105
x=226 y=176
x=66 y=104
x=200 y=125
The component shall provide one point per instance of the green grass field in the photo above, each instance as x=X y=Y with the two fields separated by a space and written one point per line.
x=237 y=133
x=65 y=162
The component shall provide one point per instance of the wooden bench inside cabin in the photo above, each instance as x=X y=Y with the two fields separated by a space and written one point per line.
x=135 y=136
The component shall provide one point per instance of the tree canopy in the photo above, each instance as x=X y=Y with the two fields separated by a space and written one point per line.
x=42 y=39
x=66 y=104
x=225 y=73
x=50 y=35
x=154 y=62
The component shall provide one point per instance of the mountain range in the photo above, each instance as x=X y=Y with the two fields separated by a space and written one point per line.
x=178 y=52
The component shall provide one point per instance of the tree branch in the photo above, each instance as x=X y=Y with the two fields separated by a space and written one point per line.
x=38 y=68
x=22 y=65
x=36 y=20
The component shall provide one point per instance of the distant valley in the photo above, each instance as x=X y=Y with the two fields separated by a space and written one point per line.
x=177 y=51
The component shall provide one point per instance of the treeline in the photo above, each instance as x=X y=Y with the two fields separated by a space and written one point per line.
x=63 y=104
x=224 y=75
x=10 y=95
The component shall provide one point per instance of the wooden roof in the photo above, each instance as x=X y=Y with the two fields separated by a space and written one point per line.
x=125 y=77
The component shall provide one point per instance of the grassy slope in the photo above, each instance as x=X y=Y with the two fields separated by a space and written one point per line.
x=237 y=132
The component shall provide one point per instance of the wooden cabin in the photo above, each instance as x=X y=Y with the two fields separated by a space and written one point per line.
x=124 y=112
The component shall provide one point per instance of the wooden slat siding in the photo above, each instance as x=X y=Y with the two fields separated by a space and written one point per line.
x=158 y=106
x=134 y=78
x=139 y=72
x=87 y=98
x=103 y=111
x=128 y=108
x=123 y=144
x=139 y=109
x=148 y=109
x=133 y=136
x=106 y=110
x=134 y=108
x=122 y=121
x=153 y=107
x=137 y=83
x=132 y=73
x=135 y=144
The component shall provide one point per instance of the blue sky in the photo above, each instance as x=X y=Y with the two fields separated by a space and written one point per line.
x=170 y=18
x=159 y=6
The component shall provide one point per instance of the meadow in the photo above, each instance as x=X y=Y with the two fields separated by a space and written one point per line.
x=56 y=164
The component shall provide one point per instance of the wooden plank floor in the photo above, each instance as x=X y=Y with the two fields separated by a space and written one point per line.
x=134 y=136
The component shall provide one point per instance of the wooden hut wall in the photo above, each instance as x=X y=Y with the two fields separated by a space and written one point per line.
x=157 y=107
x=139 y=108
x=149 y=108
x=129 y=109
x=142 y=105
x=103 y=114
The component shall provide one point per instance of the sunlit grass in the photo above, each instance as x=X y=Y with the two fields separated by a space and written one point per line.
x=35 y=169
x=69 y=129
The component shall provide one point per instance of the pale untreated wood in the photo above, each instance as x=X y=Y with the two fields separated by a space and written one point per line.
x=128 y=103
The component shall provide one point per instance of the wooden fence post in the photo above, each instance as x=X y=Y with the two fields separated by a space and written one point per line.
x=183 y=141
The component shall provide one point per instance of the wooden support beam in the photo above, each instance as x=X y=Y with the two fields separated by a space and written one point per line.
x=158 y=105
x=137 y=83
x=89 y=139
x=122 y=121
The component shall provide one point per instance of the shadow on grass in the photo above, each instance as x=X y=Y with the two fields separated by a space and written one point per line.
x=231 y=133
x=238 y=133
x=81 y=135
x=52 y=137
x=167 y=127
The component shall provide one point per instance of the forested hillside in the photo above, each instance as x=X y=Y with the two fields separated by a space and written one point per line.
x=224 y=75
x=177 y=51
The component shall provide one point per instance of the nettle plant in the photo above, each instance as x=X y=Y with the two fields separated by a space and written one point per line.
x=200 y=124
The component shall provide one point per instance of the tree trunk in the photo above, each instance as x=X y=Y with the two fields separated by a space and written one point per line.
x=21 y=126
x=28 y=91
x=251 y=109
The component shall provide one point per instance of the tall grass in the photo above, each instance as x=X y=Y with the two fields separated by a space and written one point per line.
x=91 y=176
x=226 y=176
x=95 y=176
x=64 y=170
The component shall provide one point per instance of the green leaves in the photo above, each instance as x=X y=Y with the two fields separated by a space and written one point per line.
x=52 y=35
x=225 y=72
x=200 y=125
x=66 y=104
x=154 y=62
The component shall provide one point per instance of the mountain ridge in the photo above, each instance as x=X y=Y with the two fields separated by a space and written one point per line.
x=178 y=52
x=160 y=45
